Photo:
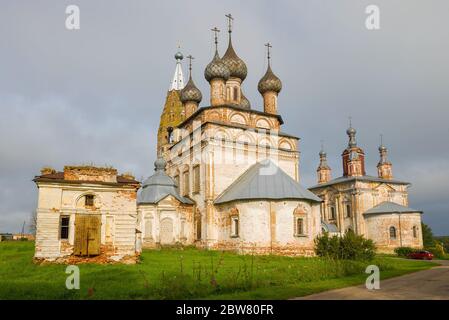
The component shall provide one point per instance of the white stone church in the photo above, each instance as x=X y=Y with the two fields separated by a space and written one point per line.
x=226 y=178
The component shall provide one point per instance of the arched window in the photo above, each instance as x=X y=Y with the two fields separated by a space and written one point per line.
x=182 y=231
x=392 y=232
x=299 y=226
x=333 y=213
x=186 y=183
x=234 y=227
x=415 y=232
x=348 y=211
x=196 y=178
x=198 y=226
x=148 y=228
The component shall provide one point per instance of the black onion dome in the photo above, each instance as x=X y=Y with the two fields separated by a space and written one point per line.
x=191 y=93
x=269 y=82
x=216 y=69
x=235 y=65
x=244 y=102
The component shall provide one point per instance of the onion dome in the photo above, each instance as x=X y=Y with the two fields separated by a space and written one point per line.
x=216 y=69
x=244 y=102
x=191 y=93
x=269 y=82
x=159 y=178
x=159 y=164
x=351 y=131
x=179 y=56
x=236 y=66
x=159 y=186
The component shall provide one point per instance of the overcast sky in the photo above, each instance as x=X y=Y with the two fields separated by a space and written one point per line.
x=95 y=95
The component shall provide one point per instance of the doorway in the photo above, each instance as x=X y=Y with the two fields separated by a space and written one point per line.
x=166 y=231
x=87 y=235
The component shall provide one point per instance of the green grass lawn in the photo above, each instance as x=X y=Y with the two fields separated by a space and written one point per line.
x=187 y=274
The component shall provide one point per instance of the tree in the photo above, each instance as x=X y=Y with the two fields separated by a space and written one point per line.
x=427 y=235
x=33 y=222
x=445 y=241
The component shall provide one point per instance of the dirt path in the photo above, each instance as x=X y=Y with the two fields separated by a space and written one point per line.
x=427 y=284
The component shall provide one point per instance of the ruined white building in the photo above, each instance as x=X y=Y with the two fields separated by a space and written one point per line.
x=86 y=211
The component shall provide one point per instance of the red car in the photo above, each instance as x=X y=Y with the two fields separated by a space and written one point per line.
x=422 y=255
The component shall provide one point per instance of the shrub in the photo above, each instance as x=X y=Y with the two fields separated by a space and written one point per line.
x=348 y=247
x=437 y=251
x=403 y=251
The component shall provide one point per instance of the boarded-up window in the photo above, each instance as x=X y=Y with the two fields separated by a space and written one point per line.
x=196 y=179
x=186 y=183
x=415 y=232
x=64 y=227
x=89 y=200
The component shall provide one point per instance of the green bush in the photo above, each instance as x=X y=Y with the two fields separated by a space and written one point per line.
x=403 y=251
x=437 y=251
x=348 y=247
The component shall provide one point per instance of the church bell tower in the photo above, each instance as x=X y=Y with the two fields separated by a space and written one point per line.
x=353 y=156
x=173 y=112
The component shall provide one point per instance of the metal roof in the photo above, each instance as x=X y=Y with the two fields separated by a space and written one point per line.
x=329 y=227
x=159 y=186
x=344 y=179
x=178 y=78
x=390 y=207
x=265 y=180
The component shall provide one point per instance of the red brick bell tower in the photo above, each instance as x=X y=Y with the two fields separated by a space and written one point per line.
x=353 y=157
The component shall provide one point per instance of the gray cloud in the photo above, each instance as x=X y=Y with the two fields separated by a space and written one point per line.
x=95 y=95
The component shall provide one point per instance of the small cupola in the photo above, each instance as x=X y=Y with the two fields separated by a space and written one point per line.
x=384 y=167
x=217 y=73
x=269 y=87
x=190 y=95
x=323 y=170
x=353 y=156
